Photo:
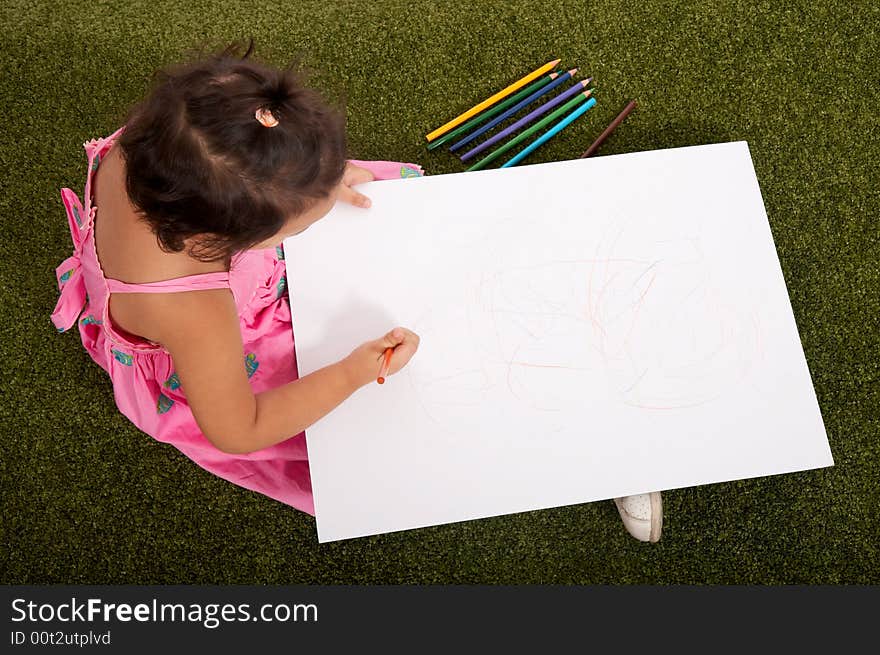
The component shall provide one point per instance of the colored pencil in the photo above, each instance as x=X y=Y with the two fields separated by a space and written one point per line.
x=386 y=363
x=571 y=104
x=608 y=130
x=488 y=102
x=553 y=131
x=576 y=89
x=489 y=113
x=510 y=112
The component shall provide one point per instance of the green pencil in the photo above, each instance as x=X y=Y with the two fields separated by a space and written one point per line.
x=534 y=86
x=578 y=99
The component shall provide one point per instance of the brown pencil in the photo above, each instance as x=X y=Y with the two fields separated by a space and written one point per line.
x=608 y=130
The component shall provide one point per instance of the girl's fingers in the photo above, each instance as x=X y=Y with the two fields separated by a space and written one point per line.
x=405 y=343
x=352 y=197
x=404 y=351
x=394 y=338
x=356 y=175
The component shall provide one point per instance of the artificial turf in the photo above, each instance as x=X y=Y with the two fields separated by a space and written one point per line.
x=87 y=498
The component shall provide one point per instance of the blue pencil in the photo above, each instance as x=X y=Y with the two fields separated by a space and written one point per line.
x=510 y=112
x=561 y=125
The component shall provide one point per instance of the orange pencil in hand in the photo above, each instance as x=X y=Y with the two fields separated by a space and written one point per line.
x=386 y=363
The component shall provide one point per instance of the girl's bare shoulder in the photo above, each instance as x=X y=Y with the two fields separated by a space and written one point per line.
x=128 y=251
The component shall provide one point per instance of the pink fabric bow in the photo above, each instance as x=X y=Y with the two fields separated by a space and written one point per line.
x=69 y=274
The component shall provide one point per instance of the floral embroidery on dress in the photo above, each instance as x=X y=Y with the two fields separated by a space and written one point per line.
x=251 y=364
x=279 y=253
x=408 y=171
x=164 y=403
x=121 y=357
x=65 y=276
x=76 y=215
x=95 y=163
x=282 y=285
x=90 y=320
x=173 y=382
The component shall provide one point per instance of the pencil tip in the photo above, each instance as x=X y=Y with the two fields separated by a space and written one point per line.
x=556 y=61
x=573 y=71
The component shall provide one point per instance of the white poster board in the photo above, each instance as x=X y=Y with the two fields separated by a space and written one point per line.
x=589 y=329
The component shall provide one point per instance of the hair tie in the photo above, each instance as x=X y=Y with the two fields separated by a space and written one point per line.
x=265 y=117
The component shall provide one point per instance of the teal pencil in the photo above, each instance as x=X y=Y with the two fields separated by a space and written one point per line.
x=553 y=131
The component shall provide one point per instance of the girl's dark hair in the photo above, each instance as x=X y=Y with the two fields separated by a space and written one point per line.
x=198 y=161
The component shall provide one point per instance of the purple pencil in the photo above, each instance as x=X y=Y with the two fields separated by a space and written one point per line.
x=547 y=106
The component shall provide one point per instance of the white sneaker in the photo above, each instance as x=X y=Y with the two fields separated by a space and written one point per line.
x=642 y=515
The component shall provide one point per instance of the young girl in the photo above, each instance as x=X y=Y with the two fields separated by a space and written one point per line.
x=177 y=284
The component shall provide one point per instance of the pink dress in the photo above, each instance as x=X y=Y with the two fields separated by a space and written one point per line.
x=145 y=385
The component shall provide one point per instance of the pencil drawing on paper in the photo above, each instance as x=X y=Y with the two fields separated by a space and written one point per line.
x=635 y=317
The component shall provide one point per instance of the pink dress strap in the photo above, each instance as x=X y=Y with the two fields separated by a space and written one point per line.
x=199 y=282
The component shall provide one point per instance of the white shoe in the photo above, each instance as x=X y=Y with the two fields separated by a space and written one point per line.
x=642 y=515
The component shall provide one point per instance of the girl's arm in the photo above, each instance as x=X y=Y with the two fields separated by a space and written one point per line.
x=201 y=331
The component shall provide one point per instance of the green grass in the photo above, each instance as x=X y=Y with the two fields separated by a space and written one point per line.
x=87 y=498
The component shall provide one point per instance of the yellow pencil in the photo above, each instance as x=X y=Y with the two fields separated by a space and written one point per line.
x=491 y=101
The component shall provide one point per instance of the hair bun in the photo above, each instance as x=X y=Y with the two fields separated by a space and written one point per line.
x=278 y=91
x=276 y=96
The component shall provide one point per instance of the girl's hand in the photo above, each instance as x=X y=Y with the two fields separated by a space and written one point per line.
x=364 y=362
x=354 y=175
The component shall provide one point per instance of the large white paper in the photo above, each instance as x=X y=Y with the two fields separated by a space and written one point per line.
x=589 y=329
